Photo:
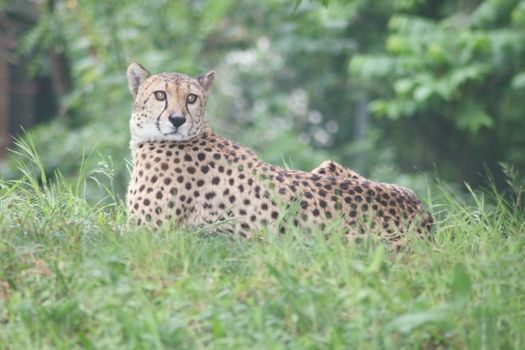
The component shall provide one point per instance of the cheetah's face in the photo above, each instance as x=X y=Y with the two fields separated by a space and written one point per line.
x=168 y=106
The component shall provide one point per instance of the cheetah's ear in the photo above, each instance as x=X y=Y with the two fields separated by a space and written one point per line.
x=206 y=80
x=136 y=75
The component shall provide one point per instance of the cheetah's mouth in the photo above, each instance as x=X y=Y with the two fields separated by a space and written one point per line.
x=177 y=135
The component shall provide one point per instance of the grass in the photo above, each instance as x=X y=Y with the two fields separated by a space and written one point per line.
x=73 y=275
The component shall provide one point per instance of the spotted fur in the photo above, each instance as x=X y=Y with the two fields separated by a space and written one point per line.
x=190 y=176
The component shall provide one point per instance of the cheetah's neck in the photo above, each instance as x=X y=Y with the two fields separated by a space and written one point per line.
x=208 y=141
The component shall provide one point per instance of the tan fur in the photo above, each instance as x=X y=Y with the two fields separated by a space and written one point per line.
x=198 y=178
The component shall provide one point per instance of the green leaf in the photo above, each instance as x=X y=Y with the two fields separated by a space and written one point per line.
x=403 y=86
x=473 y=117
x=407 y=322
x=518 y=81
x=422 y=93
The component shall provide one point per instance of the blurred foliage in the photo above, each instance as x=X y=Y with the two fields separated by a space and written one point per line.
x=386 y=87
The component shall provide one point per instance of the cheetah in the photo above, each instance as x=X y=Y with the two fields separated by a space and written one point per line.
x=186 y=174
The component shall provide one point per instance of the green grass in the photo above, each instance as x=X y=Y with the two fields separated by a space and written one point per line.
x=74 y=275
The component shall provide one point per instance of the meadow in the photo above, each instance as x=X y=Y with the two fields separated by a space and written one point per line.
x=424 y=94
x=75 y=275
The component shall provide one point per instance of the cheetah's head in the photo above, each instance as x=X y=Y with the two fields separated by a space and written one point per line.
x=168 y=106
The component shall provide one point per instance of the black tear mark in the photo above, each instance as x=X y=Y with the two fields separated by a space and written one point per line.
x=157 y=121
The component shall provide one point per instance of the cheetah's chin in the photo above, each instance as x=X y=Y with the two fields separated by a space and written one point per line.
x=177 y=136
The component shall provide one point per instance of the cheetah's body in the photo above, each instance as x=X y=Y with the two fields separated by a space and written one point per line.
x=206 y=179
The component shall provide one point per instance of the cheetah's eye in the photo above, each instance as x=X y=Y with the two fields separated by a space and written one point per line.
x=160 y=95
x=191 y=98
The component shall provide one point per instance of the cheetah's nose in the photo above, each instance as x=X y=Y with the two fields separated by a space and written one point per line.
x=176 y=120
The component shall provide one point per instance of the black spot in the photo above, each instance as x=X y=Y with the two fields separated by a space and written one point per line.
x=180 y=179
x=205 y=169
x=146 y=202
x=201 y=156
x=322 y=204
x=200 y=183
x=191 y=170
x=159 y=195
x=275 y=215
x=187 y=158
x=216 y=156
x=215 y=180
